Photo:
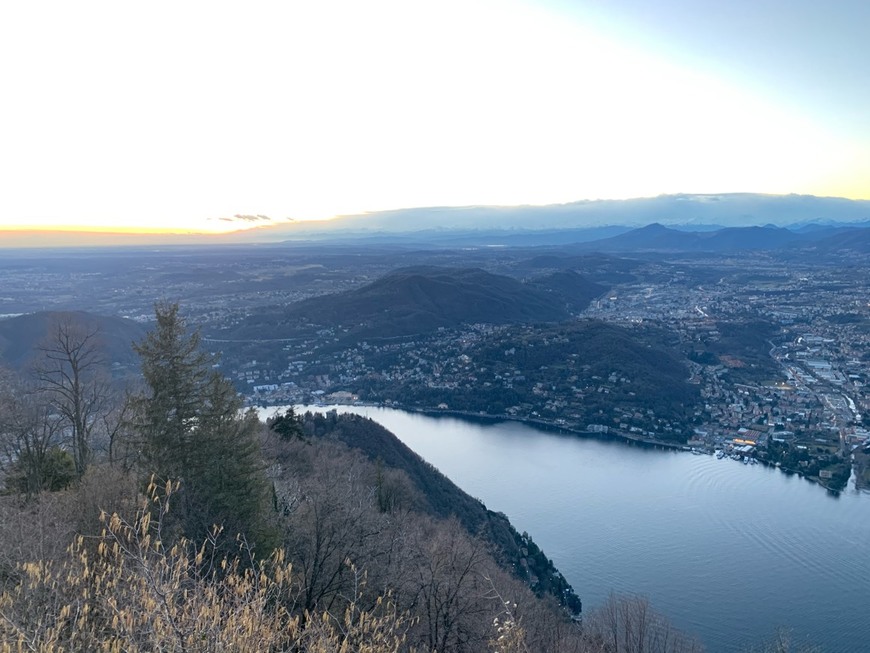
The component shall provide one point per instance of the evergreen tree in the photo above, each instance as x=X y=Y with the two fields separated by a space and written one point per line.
x=54 y=471
x=288 y=425
x=177 y=373
x=192 y=430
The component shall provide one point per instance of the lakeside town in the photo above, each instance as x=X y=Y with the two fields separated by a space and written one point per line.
x=776 y=349
x=786 y=385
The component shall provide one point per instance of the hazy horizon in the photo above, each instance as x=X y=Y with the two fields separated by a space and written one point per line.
x=682 y=210
x=202 y=117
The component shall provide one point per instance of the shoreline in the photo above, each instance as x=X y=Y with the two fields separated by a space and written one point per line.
x=612 y=434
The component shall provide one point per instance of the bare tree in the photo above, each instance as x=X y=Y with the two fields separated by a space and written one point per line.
x=333 y=522
x=30 y=434
x=628 y=624
x=71 y=372
x=452 y=589
x=116 y=438
x=528 y=623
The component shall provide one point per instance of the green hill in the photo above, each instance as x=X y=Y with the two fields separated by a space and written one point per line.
x=578 y=372
x=21 y=336
x=576 y=290
x=416 y=300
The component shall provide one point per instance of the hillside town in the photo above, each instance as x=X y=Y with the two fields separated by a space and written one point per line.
x=758 y=355
x=780 y=365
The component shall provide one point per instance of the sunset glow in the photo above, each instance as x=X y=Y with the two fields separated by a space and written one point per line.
x=171 y=117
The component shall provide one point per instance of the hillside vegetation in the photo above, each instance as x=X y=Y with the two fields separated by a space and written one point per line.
x=201 y=529
x=436 y=495
x=21 y=337
x=582 y=372
x=416 y=300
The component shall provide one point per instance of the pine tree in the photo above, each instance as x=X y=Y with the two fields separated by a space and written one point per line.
x=192 y=430
x=177 y=373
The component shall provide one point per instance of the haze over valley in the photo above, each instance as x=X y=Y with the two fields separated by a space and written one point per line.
x=743 y=342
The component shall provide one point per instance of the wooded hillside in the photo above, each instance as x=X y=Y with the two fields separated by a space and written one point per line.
x=201 y=529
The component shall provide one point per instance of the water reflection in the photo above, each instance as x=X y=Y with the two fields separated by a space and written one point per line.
x=728 y=551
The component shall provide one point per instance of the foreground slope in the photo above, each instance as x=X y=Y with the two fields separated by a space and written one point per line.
x=441 y=498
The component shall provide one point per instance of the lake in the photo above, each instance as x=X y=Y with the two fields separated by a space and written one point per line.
x=727 y=551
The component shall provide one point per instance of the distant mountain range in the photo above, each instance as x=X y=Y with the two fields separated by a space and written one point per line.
x=555 y=224
x=822 y=239
x=573 y=222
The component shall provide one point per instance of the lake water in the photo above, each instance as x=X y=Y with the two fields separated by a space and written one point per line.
x=727 y=551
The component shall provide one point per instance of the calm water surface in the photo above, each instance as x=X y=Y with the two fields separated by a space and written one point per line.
x=728 y=551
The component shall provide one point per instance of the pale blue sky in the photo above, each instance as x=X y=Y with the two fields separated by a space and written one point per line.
x=804 y=51
x=179 y=115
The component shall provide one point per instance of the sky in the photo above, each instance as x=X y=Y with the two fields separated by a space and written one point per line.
x=210 y=116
